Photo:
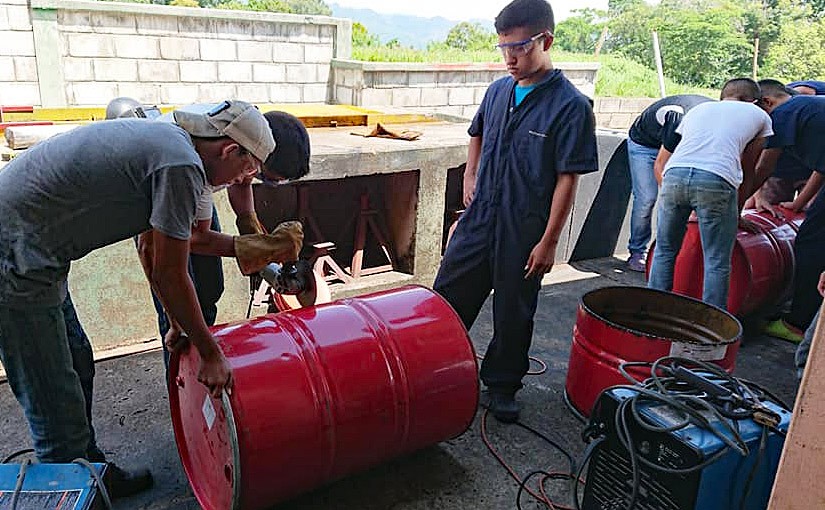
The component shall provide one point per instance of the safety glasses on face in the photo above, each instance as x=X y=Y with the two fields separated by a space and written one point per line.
x=269 y=181
x=253 y=164
x=520 y=48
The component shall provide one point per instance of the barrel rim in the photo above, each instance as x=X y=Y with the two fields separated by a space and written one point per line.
x=614 y=288
x=177 y=427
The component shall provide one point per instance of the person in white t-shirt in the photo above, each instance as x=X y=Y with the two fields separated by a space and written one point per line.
x=719 y=147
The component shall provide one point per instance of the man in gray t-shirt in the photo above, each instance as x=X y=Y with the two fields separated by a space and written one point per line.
x=89 y=188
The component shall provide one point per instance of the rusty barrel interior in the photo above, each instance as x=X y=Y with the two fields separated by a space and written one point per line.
x=662 y=314
x=615 y=325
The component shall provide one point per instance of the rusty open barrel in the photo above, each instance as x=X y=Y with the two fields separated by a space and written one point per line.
x=762 y=263
x=323 y=392
x=615 y=325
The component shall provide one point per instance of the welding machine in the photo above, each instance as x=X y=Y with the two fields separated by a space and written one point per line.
x=723 y=478
x=52 y=486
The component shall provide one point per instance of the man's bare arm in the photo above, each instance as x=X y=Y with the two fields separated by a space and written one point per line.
x=471 y=171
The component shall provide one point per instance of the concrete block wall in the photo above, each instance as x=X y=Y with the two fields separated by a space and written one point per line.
x=18 y=68
x=452 y=89
x=87 y=52
x=619 y=112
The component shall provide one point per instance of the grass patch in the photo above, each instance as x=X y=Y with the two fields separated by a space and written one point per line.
x=618 y=76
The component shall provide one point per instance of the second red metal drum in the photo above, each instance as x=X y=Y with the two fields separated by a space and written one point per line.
x=323 y=392
x=762 y=264
x=615 y=325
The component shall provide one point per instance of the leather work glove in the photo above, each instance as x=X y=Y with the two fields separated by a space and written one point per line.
x=255 y=251
x=249 y=223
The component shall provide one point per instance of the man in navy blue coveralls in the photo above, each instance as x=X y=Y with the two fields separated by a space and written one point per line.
x=534 y=133
x=798 y=124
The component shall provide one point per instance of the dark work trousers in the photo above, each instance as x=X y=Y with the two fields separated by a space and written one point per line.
x=206 y=272
x=488 y=251
x=809 y=255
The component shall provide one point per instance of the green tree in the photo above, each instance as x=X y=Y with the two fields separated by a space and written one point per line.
x=619 y=6
x=255 y=5
x=184 y=3
x=288 y=6
x=361 y=37
x=468 y=36
x=318 y=7
x=799 y=51
x=703 y=43
x=580 y=33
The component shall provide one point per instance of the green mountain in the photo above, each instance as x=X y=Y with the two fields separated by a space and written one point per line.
x=412 y=31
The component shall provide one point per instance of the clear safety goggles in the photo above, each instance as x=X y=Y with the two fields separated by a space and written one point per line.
x=520 y=48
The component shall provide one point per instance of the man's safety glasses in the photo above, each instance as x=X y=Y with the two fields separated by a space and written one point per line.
x=520 y=48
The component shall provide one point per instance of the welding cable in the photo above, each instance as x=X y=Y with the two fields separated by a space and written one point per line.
x=739 y=390
x=623 y=430
x=18 y=486
x=522 y=486
x=542 y=497
x=249 y=307
x=542 y=365
x=588 y=454
x=695 y=417
x=15 y=455
x=104 y=493
x=763 y=444
x=571 y=462
x=764 y=392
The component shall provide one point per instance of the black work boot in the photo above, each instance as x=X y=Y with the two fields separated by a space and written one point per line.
x=121 y=483
x=502 y=404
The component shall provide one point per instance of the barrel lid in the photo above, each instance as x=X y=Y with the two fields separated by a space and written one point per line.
x=205 y=434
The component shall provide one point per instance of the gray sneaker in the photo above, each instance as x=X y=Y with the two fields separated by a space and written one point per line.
x=637 y=262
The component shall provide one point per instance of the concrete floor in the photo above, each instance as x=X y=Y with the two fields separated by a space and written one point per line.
x=132 y=420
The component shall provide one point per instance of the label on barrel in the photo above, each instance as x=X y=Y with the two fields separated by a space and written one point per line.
x=698 y=352
x=784 y=233
x=208 y=412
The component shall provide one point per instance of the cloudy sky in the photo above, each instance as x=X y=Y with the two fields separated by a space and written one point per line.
x=461 y=9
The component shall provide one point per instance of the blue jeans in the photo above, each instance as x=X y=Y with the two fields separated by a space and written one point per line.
x=804 y=348
x=645 y=188
x=714 y=200
x=48 y=362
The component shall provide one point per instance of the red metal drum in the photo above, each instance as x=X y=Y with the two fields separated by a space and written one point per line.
x=762 y=264
x=620 y=324
x=323 y=392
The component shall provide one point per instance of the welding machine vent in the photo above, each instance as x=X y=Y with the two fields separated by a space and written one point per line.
x=611 y=478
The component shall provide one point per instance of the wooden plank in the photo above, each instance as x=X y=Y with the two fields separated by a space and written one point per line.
x=6 y=125
x=22 y=137
x=798 y=482
x=312 y=115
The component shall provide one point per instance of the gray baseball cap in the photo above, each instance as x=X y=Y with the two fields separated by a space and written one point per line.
x=238 y=120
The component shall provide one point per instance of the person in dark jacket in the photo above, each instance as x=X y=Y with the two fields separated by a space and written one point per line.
x=532 y=136
x=653 y=127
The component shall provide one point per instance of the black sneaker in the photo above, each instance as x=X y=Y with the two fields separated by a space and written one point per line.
x=502 y=405
x=121 y=483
